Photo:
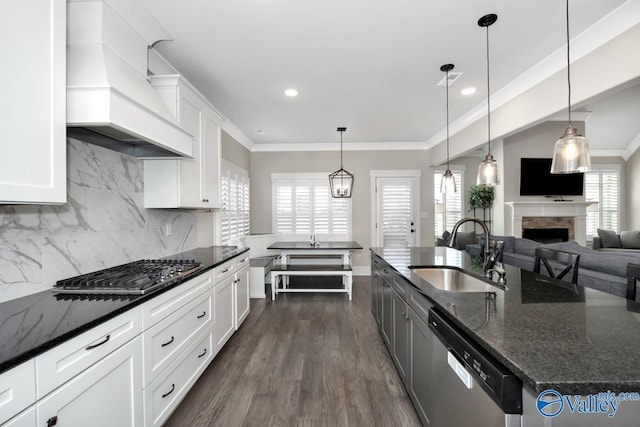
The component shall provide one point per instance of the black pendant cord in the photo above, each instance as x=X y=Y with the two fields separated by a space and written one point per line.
x=568 y=66
x=488 y=97
x=447 y=85
x=341 y=150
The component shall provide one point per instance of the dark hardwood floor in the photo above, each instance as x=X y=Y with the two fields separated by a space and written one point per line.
x=302 y=360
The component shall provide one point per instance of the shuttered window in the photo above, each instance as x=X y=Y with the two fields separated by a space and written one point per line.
x=602 y=185
x=234 y=197
x=303 y=206
x=448 y=207
x=396 y=211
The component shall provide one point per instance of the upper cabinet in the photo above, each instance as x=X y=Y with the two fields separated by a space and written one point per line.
x=32 y=112
x=186 y=183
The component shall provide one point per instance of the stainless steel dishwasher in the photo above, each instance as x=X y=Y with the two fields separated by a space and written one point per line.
x=470 y=387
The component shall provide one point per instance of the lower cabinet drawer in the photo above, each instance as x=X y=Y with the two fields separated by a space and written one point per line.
x=17 y=389
x=165 y=393
x=25 y=419
x=166 y=340
x=61 y=363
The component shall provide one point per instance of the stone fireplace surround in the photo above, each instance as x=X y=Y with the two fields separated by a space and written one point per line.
x=543 y=214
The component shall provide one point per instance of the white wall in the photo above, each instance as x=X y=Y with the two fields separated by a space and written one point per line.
x=360 y=163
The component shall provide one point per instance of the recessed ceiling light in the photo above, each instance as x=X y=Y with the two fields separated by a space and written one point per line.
x=468 y=91
x=291 y=92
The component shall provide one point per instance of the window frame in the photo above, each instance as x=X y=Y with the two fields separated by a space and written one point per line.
x=317 y=179
x=437 y=176
x=600 y=169
x=241 y=176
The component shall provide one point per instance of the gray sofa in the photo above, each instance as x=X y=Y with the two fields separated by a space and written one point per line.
x=604 y=270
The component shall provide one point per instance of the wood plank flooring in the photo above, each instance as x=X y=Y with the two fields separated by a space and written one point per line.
x=302 y=360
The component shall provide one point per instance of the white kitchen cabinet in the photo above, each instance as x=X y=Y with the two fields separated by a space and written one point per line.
x=168 y=339
x=241 y=294
x=17 y=389
x=33 y=125
x=70 y=358
x=107 y=394
x=26 y=418
x=224 y=311
x=186 y=183
x=166 y=391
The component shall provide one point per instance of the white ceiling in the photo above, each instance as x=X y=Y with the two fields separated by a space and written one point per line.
x=370 y=65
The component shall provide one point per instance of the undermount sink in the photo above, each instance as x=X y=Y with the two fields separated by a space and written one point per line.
x=450 y=280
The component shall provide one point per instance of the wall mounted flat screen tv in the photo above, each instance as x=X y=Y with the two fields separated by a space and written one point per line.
x=537 y=180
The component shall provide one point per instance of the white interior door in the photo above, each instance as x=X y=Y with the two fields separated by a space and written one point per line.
x=396 y=211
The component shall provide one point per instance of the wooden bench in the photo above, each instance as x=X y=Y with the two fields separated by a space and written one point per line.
x=311 y=270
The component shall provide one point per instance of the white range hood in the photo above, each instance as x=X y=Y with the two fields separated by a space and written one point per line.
x=109 y=99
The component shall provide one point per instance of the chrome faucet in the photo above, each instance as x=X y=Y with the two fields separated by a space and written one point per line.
x=490 y=256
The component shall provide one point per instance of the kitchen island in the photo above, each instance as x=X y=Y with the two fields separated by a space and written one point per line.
x=550 y=334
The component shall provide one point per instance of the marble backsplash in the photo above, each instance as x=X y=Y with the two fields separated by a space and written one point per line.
x=102 y=224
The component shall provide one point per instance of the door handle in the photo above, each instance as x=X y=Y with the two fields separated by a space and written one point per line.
x=413 y=231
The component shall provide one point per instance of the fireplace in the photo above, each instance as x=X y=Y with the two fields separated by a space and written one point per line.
x=546 y=235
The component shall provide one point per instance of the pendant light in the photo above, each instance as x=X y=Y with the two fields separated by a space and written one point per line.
x=341 y=181
x=448 y=183
x=571 y=152
x=488 y=171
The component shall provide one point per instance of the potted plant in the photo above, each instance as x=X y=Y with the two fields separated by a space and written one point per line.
x=480 y=196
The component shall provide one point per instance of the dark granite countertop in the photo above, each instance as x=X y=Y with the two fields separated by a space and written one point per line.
x=550 y=334
x=35 y=323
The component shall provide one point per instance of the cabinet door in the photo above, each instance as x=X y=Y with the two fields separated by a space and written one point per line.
x=242 y=295
x=107 y=394
x=400 y=335
x=190 y=118
x=420 y=384
x=387 y=313
x=211 y=154
x=224 y=311
x=27 y=418
x=33 y=125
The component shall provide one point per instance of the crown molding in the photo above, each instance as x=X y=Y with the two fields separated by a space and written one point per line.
x=620 y=20
x=633 y=146
x=332 y=146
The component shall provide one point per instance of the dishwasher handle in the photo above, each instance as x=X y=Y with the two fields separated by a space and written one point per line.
x=500 y=384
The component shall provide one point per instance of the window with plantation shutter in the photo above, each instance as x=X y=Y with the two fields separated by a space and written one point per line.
x=234 y=215
x=448 y=207
x=601 y=185
x=303 y=206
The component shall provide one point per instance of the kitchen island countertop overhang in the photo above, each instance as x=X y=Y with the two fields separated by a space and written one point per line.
x=552 y=335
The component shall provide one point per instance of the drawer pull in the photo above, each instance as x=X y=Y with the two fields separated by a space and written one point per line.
x=225 y=270
x=204 y=313
x=203 y=353
x=52 y=421
x=92 y=346
x=243 y=260
x=173 y=387
x=168 y=342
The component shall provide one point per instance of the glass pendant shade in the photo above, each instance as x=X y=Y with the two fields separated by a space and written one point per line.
x=448 y=183
x=341 y=181
x=488 y=172
x=571 y=153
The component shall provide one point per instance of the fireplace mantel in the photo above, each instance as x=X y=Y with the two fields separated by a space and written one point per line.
x=577 y=210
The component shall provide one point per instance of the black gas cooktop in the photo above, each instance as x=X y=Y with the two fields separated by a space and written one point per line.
x=138 y=277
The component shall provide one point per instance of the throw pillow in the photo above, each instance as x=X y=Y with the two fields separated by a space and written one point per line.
x=630 y=239
x=463 y=239
x=609 y=239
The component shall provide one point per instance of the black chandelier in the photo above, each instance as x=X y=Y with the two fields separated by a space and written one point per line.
x=341 y=181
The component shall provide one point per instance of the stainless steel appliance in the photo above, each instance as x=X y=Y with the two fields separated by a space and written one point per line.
x=138 y=277
x=471 y=388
